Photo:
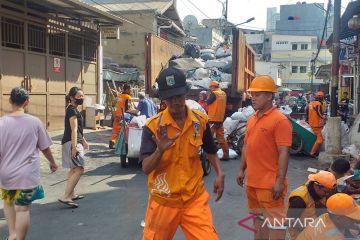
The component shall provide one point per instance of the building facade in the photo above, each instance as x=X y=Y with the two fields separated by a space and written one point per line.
x=272 y=16
x=294 y=54
x=303 y=19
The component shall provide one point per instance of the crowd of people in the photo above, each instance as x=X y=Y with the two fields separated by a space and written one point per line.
x=169 y=156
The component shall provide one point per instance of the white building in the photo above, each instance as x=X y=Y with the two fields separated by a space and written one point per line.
x=294 y=55
x=268 y=68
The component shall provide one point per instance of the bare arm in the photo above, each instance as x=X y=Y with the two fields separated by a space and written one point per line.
x=163 y=142
x=152 y=161
x=283 y=162
x=279 y=186
x=241 y=176
x=48 y=155
x=219 y=181
x=74 y=127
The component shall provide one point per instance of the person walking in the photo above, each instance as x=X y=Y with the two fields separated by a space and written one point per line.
x=216 y=112
x=304 y=200
x=123 y=105
x=344 y=107
x=264 y=158
x=169 y=155
x=202 y=100
x=316 y=120
x=22 y=136
x=73 y=146
x=146 y=106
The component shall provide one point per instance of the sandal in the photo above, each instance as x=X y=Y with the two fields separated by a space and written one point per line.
x=69 y=203
x=78 y=197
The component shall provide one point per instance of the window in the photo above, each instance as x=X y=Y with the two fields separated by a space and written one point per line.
x=12 y=34
x=282 y=42
x=294 y=69
x=294 y=46
x=304 y=46
x=37 y=38
x=302 y=69
x=90 y=50
x=56 y=42
x=75 y=46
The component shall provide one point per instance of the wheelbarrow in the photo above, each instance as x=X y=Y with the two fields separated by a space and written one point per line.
x=302 y=139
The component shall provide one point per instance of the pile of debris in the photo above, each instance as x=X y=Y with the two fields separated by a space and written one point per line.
x=205 y=65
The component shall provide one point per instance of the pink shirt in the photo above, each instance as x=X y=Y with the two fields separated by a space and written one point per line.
x=21 y=137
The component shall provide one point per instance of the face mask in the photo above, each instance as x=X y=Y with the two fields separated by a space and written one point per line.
x=79 y=101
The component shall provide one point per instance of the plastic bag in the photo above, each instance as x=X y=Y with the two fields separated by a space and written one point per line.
x=133 y=142
x=195 y=106
x=232 y=153
x=352 y=150
x=239 y=116
x=201 y=73
x=139 y=120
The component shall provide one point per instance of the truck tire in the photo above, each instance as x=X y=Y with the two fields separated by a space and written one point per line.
x=297 y=144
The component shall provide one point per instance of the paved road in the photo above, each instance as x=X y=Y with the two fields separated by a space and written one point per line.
x=116 y=199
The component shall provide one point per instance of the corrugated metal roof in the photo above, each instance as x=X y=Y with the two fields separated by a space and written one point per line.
x=120 y=6
x=75 y=9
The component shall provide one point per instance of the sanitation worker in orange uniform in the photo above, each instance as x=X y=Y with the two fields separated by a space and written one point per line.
x=216 y=111
x=316 y=119
x=123 y=105
x=169 y=154
x=264 y=159
x=304 y=200
x=341 y=222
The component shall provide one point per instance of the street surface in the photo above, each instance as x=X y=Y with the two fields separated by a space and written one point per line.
x=116 y=198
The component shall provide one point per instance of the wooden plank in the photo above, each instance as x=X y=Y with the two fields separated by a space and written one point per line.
x=161 y=52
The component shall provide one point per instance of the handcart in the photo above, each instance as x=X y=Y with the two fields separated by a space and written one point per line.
x=127 y=143
x=302 y=139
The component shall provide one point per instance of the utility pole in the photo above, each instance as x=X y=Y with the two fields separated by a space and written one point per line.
x=226 y=11
x=335 y=59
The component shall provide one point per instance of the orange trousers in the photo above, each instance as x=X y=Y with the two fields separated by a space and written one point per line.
x=218 y=131
x=261 y=202
x=161 y=222
x=319 y=139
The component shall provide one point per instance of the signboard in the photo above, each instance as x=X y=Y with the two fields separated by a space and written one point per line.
x=110 y=32
x=56 y=66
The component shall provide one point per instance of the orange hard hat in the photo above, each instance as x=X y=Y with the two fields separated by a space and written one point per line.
x=320 y=94
x=343 y=205
x=214 y=84
x=262 y=83
x=324 y=178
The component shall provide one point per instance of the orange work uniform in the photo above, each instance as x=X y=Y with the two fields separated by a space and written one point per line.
x=308 y=212
x=316 y=120
x=322 y=228
x=177 y=194
x=123 y=104
x=216 y=112
x=263 y=136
